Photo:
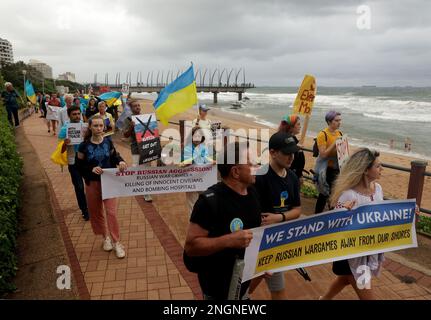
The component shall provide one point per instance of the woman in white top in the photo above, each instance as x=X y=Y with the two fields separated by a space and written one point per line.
x=356 y=186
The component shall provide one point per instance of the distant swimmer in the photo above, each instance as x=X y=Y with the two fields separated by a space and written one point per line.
x=407 y=145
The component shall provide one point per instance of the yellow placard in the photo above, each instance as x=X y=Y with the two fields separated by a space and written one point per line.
x=305 y=98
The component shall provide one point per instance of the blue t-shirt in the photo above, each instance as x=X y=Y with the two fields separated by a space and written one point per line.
x=199 y=154
x=97 y=155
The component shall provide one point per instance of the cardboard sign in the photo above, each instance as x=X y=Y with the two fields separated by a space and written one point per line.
x=52 y=112
x=216 y=129
x=342 y=145
x=305 y=98
x=76 y=132
x=147 y=136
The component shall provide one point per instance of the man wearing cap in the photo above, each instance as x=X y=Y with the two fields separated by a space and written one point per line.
x=278 y=191
x=202 y=120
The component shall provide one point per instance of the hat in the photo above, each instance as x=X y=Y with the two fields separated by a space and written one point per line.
x=203 y=107
x=290 y=119
x=284 y=142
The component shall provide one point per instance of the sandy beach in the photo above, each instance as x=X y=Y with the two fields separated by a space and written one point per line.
x=394 y=182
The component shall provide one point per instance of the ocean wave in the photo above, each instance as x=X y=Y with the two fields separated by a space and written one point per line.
x=400 y=117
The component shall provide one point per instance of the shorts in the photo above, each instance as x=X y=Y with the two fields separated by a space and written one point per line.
x=276 y=282
x=341 y=268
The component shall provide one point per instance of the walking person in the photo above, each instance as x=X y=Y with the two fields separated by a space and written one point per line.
x=74 y=114
x=95 y=154
x=279 y=196
x=9 y=97
x=129 y=133
x=53 y=118
x=218 y=232
x=356 y=185
x=91 y=109
x=107 y=119
x=327 y=163
x=291 y=124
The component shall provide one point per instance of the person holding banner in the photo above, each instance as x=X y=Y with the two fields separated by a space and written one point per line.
x=279 y=197
x=219 y=226
x=326 y=164
x=95 y=154
x=356 y=185
x=291 y=124
x=195 y=153
x=74 y=114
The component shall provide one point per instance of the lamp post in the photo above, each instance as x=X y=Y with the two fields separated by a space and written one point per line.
x=24 y=72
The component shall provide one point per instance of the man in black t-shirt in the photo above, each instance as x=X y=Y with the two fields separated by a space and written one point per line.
x=219 y=226
x=279 y=197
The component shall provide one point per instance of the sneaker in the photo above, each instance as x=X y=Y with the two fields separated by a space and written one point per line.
x=119 y=250
x=107 y=244
x=86 y=217
x=148 y=198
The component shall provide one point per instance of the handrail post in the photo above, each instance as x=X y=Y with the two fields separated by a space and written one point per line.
x=416 y=182
x=182 y=138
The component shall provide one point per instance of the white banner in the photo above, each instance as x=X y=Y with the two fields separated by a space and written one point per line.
x=157 y=180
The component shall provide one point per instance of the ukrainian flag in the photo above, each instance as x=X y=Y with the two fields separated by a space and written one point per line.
x=110 y=97
x=176 y=97
x=29 y=91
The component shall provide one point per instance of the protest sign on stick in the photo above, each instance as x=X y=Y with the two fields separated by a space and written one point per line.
x=304 y=102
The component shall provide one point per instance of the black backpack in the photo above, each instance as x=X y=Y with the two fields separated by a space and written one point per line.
x=316 y=148
x=197 y=263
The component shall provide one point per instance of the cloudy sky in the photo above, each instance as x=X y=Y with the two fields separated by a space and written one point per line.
x=277 y=42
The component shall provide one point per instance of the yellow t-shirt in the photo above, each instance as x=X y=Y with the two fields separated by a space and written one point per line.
x=328 y=140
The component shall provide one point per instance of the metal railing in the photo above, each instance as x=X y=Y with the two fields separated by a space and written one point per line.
x=417 y=170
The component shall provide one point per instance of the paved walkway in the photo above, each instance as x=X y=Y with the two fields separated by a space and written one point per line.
x=154 y=234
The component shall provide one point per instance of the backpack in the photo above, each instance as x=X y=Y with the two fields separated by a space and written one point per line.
x=316 y=148
x=197 y=263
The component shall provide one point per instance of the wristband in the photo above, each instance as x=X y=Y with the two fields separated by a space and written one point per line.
x=284 y=217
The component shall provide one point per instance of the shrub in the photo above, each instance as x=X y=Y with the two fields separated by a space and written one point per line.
x=309 y=190
x=10 y=178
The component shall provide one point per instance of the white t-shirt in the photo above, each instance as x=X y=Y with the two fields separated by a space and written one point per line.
x=374 y=261
x=203 y=124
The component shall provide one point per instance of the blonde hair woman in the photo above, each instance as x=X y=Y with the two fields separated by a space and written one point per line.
x=356 y=186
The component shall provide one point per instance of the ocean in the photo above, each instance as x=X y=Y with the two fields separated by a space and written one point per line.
x=371 y=116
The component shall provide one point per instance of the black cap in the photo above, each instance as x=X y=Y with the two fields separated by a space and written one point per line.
x=284 y=142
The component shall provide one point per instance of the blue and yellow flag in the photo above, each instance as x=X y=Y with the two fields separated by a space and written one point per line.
x=176 y=97
x=110 y=97
x=29 y=91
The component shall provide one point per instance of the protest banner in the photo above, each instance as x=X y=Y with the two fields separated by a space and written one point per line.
x=52 y=112
x=75 y=132
x=304 y=102
x=147 y=136
x=156 y=180
x=343 y=152
x=335 y=235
